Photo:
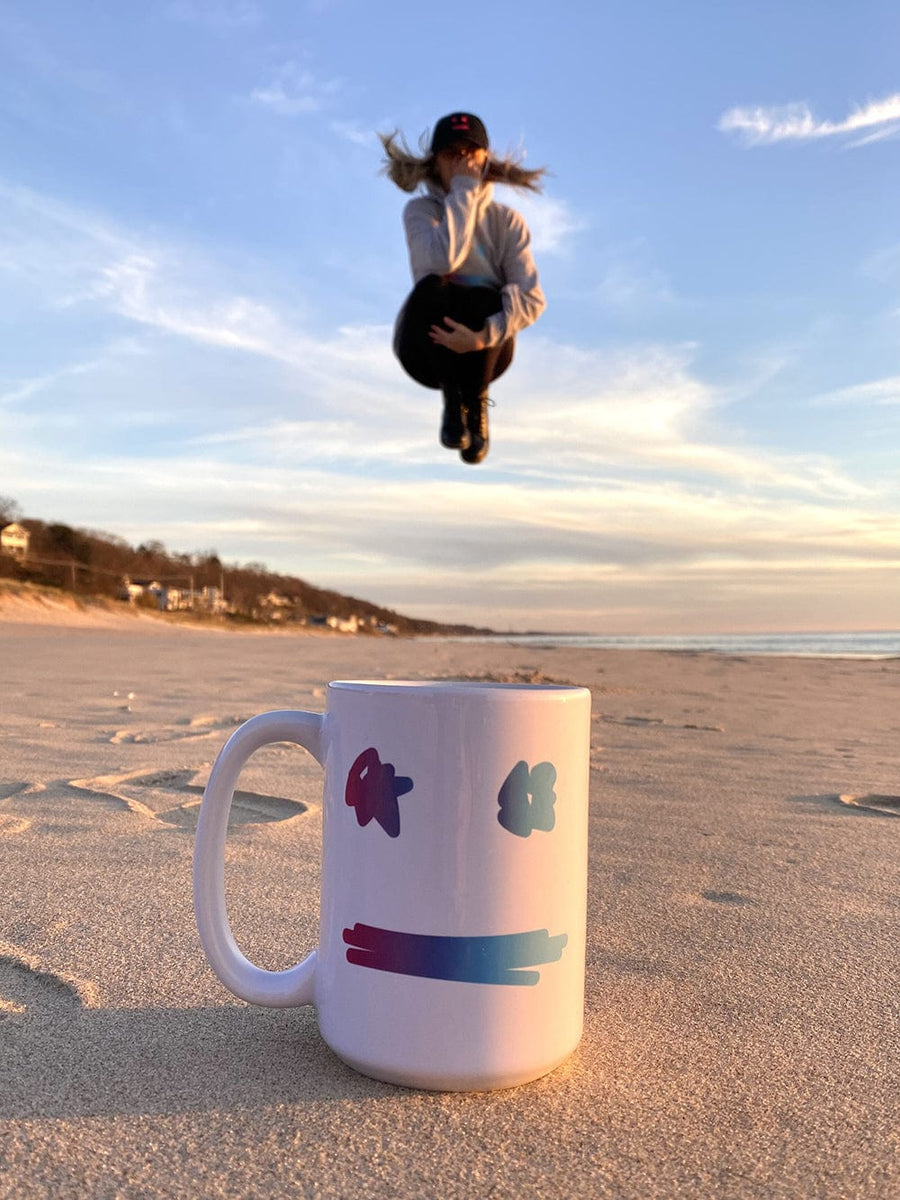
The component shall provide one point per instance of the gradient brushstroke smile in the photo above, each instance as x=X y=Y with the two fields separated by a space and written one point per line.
x=494 y=959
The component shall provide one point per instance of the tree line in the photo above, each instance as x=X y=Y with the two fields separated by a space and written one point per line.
x=90 y=563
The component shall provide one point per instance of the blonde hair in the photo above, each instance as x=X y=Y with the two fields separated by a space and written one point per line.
x=408 y=170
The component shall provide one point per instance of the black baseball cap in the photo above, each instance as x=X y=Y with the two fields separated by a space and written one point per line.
x=458 y=127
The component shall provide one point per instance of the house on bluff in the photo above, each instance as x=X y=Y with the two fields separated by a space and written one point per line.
x=14 y=540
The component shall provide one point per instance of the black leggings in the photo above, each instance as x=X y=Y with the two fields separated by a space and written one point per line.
x=434 y=366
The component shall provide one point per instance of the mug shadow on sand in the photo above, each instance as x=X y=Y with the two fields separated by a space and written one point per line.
x=60 y=1058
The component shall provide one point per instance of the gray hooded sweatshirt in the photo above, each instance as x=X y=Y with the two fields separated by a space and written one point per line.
x=464 y=233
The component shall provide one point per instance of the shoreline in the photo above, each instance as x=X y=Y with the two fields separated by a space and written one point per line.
x=28 y=607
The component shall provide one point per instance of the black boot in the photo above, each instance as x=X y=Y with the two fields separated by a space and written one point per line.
x=454 y=434
x=477 y=427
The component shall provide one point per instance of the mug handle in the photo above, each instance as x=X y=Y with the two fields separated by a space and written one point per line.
x=275 y=989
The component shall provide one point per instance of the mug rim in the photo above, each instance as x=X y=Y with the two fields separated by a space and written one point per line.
x=457 y=687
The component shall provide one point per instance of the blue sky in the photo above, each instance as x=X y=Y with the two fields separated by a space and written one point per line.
x=200 y=266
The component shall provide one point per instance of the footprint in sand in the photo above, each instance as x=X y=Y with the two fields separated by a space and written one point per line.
x=725 y=897
x=28 y=986
x=886 y=806
x=640 y=722
x=864 y=805
x=151 y=794
x=200 y=726
x=12 y=822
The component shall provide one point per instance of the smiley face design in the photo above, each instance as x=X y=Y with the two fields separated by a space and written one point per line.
x=526 y=801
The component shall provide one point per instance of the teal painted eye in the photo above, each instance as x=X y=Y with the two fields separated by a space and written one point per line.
x=527 y=798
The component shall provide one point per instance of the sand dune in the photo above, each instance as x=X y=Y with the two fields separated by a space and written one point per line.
x=35 y=606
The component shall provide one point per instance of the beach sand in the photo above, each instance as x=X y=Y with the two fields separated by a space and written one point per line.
x=742 y=1020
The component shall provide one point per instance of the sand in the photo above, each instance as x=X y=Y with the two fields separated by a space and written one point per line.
x=743 y=981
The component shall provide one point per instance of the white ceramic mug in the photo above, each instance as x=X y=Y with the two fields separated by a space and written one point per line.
x=454 y=878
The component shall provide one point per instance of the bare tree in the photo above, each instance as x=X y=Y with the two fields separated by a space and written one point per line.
x=9 y=510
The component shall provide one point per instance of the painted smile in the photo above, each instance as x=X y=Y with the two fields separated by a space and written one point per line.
x=496 y=959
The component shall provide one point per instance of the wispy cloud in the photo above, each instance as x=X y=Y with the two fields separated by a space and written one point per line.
x=764 y=126
x=26 y=389
x=353 y=131
x=876 y=391
x=294 y=90
x=644 y=408
x=551 y=221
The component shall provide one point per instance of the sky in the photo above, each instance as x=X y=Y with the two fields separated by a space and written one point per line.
x=200 y=266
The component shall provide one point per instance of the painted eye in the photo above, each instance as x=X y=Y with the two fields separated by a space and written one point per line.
x=527 y=798
x=373 y=788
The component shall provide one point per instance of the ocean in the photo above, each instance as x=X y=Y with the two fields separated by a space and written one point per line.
x=806 y=645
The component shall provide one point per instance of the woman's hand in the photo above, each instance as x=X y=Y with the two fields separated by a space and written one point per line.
x=458 y=338
x=468 y=161
x=471 y=165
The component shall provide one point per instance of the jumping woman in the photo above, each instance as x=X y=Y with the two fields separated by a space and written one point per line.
x=476 y=284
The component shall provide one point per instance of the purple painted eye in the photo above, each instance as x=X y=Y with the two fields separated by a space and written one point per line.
x=372 y=789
